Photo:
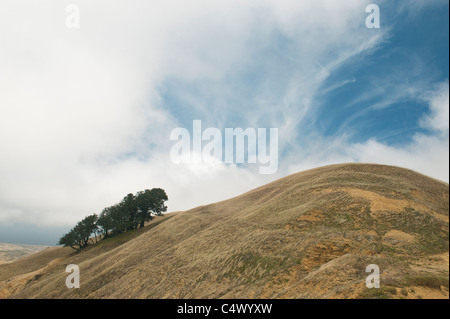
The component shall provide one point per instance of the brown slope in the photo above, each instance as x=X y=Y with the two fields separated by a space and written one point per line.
x=308 y=235
x=12 y=252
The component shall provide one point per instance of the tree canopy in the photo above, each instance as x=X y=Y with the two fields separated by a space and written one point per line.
x=130 y=213
x=80 y=235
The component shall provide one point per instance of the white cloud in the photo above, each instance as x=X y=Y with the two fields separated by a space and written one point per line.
x=426 y=153
x=82 y=119
x=439 y=109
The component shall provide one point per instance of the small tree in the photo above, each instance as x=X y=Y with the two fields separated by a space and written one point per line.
x=80 y=235
x=69 y=240
x=132 y=212
x=114 y=220
x=129 y=211
x=88 y=228
x=105 y=222
x=148 y=202
x=159 y=198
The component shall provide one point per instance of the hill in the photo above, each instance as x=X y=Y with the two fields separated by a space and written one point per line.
x=11 y=252
x=308 y=235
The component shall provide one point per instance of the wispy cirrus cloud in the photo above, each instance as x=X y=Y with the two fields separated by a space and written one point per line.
x=87 y=113
x=427 y=152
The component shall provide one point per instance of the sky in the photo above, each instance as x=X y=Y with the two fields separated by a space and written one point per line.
x=90 y=92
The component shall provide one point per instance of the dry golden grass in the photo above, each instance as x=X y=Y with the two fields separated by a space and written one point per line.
x=308 y=235
x=11 y=252
x=33 y=262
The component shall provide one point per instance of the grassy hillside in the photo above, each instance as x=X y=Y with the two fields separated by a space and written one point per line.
x=11 y=252
x=308 y=235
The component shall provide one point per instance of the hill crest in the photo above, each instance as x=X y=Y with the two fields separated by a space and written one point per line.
x=307 y=235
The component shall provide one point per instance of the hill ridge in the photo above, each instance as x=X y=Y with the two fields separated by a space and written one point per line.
x=307 y=235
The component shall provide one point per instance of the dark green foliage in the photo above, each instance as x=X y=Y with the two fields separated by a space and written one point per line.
x=148 y=202
x=128 y=212
x=111 y=222
x=80 y=235
x=132 y=212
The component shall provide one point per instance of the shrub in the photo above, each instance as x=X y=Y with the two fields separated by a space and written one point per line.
x=428 y=280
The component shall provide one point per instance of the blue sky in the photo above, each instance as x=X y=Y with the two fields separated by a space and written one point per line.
x=87 y=112
x=377 y=93
x=416 y=55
